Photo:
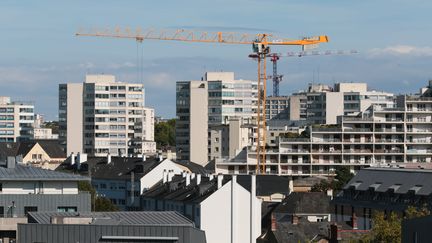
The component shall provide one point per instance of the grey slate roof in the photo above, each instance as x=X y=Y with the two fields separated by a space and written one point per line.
x=266 y=185
x=305 y=203
x=120 y=167
x=8 y=149
x=304 y=231
x=51 y=147
x=29 y=173
x=401 y=180
x=118 y=218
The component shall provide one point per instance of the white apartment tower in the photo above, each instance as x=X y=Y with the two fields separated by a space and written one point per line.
x=104 y=116
x=16 y=120
x=71 y=117
x=192 y=121
x=214 y=101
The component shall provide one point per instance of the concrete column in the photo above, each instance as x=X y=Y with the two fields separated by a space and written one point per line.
x=164 y=176
x=72 y=158
x=219 y=181
x=188 y=178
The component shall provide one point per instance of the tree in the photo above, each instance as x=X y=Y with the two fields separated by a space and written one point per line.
x=343 y=176
x=165 y=133
x=99 y=204
x=389 y=229
x=54 y=125
x=322 y=186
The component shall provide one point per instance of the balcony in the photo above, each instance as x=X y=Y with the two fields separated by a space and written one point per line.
x=321 y=151
x=358 y=119
x=294 y=140
x=294 y=151
x=389 y=141
x=390 y=130
x=326 y=129
x=357 y=151
x=356 y=130
x=389 y=151
x=331 y=140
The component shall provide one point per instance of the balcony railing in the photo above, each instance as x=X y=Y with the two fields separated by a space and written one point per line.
x=294 y=139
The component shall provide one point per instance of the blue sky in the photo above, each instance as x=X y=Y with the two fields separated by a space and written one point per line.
x=38 y=49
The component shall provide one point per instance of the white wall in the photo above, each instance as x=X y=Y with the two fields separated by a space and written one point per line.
x=155 y=175
x=216 y=214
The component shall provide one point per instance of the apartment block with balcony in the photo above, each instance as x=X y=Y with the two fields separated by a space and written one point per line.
x=113 y=116
x=322 y=104
x=380 y=136
x=16 y=120
x=204 y=110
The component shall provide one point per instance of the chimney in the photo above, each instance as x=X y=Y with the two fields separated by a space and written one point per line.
x=273 y=222
x=188 y=178
x=10 y=163
x=160 y=158
x=144 y=157
x=330 y=193
x=219 y=180
x=184 y=174
x=354 y=220
x=72 y=156
x=290 y=185
x=82 y=158
x=78 y=161
x=192 y=176
x=295 y=219
x=164 y=176
x=109 y=158
x=198 y=179
x=211 y=177
x=170 y=175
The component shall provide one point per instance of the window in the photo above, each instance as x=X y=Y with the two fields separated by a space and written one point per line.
x=67 y=209
x=1 y=187
x=29 y=209
x=2 y=212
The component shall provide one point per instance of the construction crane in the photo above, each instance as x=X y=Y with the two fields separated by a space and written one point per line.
x=261 y=47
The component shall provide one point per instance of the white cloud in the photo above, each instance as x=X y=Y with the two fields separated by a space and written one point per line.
x=401 y=50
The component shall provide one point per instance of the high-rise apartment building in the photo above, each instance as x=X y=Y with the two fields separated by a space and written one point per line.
x=322 y=104
x=71 y=117
x=16 y=120
x=104 y=116
x=192 y=121
x=230 y=98
x=214 y=101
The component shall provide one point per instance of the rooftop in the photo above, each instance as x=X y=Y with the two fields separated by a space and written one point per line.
x=29 y=173
x=149 y=218
x=400 y=180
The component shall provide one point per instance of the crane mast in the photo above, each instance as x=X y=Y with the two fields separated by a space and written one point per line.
x=261 y=46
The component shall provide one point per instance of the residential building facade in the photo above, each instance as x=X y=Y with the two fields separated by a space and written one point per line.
x=381 y=190
x=223 y=208
x=16 y=120
x=27 y=189
x=102 y=116
x=71 y=117
x=378 y=136
x=206 y=105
